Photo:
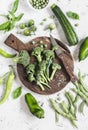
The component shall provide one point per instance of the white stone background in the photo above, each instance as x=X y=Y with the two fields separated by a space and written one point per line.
x=14 y=114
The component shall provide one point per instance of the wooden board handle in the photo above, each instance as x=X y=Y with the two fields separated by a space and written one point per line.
x=15 y=43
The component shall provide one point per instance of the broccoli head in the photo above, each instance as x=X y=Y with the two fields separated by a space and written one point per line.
x=37 y=53
x=23 y=58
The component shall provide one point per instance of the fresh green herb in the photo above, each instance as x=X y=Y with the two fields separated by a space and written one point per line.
x=17 y=92
x=11 y=18
x=9 y=83
x=72 y=15
x=5 y=54
x=33 y=105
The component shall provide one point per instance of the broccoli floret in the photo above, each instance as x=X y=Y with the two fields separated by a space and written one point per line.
x=49 y=54
x=55 y=67
x=23 y=58
x=31 y=77
x=30 y=69
x=37 y=53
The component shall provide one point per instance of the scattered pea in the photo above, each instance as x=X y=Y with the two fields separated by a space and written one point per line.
x=22 y=25
x=31 y=22
x=27 y=32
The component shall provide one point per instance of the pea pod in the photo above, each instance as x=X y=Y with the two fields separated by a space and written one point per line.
x=9 y=83
x=4 y=25
x=5 y=54
x=32 y=103
x=15 y=6
x=83 y=53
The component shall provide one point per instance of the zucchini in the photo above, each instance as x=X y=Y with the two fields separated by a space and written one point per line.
x=66 y=25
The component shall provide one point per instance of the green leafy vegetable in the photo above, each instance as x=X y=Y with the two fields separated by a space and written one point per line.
x=72 y=15
x=17 y=92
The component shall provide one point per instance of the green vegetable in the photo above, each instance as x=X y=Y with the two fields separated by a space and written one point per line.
x=55 y=67
x=33 y=105
x=9 y=83
x=22 y=25
x=72 y=15
x=17 y=92
x=51 y=27
x=27 y=32
x=81 y=107
x=31 y=22
x=11 y=18
x=64 y=114
x=5 y=25
x=5 y=54
x=67 y=27
x=2 y=78
x=23 y=58
x=15 y=6
x=37 y=53
x=83 y=53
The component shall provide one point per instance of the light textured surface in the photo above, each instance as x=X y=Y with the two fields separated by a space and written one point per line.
x=14 y=114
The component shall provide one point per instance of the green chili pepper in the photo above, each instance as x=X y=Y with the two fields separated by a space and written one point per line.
x=32 y=103
x=15 y=6
x=3 y=77
x=4 y=25
x=83 y=53
x=9 y=83
x=5 y=54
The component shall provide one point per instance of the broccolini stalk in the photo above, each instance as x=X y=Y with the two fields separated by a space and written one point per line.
x=55 y=67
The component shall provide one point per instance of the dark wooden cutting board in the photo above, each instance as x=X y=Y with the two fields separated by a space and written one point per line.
x=61 y=77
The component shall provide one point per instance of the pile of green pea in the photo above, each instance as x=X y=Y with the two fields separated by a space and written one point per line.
x=28 y=28
x=39 y=4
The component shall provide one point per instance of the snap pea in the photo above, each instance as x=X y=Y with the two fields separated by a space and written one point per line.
x=33 y=105
x=5 y=54
x=15 y=6
x=9 y=83
x=5 y=25
x=72 y=15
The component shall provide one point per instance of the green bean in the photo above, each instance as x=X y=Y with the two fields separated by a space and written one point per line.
x=15 y=6
x=81 y=107
x=9 y=83
x=58 y=110
x=64 y=107
x=4 y=25
x=71 y=107
x=80 y=94
x=5 y=54
x=57 y=117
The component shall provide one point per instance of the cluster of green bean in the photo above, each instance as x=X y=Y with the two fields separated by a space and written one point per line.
x=69 y=109
x=28 y=28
